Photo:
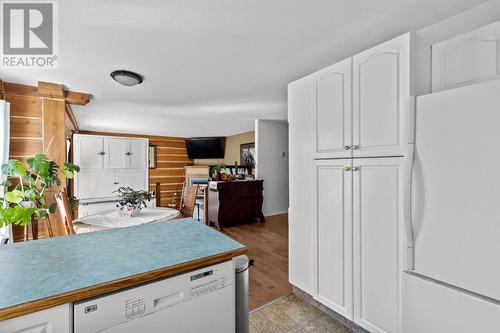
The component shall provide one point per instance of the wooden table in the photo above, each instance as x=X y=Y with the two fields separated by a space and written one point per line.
x=110 y=219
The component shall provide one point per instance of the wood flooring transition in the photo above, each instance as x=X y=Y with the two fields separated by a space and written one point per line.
x=267 y=244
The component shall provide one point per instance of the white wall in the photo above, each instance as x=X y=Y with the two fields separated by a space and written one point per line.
x=271 y=145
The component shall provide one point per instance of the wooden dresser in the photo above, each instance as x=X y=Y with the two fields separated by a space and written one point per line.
x=235 y=201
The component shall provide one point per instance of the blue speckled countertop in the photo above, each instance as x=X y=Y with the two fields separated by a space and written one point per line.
x=42 y=269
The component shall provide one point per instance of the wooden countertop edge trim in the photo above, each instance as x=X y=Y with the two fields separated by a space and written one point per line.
x=107 y=287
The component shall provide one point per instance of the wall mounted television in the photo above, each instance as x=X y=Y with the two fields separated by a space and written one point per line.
x=205 y=148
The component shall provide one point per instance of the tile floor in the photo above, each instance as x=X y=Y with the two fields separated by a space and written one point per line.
x=293 y=315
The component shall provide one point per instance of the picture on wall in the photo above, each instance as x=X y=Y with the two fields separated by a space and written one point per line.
x=152 y=157
x=247 y=154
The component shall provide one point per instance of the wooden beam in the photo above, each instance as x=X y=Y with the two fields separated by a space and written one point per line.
x=77 y=98
x=20 y=89
x=44 y=90
x=50 y=90
x=72 y=119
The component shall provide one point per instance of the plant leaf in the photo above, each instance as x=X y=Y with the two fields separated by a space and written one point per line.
x=13 y=168
x=15 y=196
x=52 y=208
x=39 y=163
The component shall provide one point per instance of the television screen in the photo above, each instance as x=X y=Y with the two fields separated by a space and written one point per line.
x=204 y=148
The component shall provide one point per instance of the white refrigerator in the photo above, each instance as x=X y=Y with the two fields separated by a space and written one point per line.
x=452 y=211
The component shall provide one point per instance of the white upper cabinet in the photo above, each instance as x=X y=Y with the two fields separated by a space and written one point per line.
x=377 y=225
x=137 y=157
x=116 y=150
x=466 y=59
x=361 y=105
x=107 y=163
x=89 y=152
x=333 y=188
x=381 y=92
x=333 y=126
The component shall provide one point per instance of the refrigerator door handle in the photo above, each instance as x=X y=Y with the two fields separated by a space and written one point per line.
x=407 y=189
x=407 y=184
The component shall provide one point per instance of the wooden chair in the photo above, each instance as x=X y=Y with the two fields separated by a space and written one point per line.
x=65 y=212
x=188 y=200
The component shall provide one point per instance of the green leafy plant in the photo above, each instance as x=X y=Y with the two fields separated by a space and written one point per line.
x=25 y=188
x=127 y=196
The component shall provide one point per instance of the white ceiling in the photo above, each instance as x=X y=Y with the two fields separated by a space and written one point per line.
x=212 y=67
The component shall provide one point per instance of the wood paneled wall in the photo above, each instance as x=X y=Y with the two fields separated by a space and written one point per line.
x=171 y=158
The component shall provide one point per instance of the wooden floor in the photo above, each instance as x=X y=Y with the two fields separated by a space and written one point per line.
x=268 y=246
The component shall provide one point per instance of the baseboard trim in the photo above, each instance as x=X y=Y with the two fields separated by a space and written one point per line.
x=276 y=213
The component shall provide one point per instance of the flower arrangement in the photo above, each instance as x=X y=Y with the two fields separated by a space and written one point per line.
x=130 y=202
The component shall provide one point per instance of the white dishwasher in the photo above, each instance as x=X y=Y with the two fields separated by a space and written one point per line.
x=199 y=301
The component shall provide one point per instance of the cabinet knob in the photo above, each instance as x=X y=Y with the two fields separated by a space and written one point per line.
x=355 y=169
x=355 y=147
x=347 y=169
x=116 y=183
x=347 y=147
x=101 y=153
x=128 y=153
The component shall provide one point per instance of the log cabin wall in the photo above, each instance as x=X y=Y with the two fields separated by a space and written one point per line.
x=171 y=158
x=39 y=123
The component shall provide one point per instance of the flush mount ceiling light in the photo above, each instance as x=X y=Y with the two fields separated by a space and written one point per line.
x=126 y=78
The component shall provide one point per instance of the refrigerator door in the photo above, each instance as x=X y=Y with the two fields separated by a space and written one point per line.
x=456 y=188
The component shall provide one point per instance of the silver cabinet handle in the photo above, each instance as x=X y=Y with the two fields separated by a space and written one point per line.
x=116 y=183
x=355 y=169
x=101 y=153
x=355 y=147
x=347 y=169
x=347 y=147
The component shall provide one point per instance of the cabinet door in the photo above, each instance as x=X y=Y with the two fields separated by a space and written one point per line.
x=116 y=153
x=333 y=184
x=333 y=125
x=53 y=320
x=89 y=152
x=137 y=154
x=91 y=184
x=301 y=96
x=377 y=222
x=381 y=94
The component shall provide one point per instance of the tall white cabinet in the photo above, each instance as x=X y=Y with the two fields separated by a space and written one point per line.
x=106 y=164
x=348 y=126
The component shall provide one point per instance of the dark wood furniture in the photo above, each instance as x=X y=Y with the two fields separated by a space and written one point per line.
x=235 y=201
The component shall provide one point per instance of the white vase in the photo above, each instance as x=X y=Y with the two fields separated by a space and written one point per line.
x=129 y=210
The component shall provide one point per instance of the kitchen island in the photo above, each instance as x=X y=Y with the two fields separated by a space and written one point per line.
x=48 y=273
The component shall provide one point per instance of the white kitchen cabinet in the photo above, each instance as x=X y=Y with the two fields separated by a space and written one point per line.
x=95 y=183
x=466 y=59
x=137 y=154
x=333 y=111
x=89 y=152
x=53 y=320
x=333 y=189
x=134 y=178
x=116 y=150
x=301 y=95
x=120 y=162
x=381 y=92
x=377 y=226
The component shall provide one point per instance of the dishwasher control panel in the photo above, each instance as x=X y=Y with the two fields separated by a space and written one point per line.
x=98 y=314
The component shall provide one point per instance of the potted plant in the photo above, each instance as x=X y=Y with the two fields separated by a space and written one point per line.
x=130 y=202
x=25 y=188
x=217 y=170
